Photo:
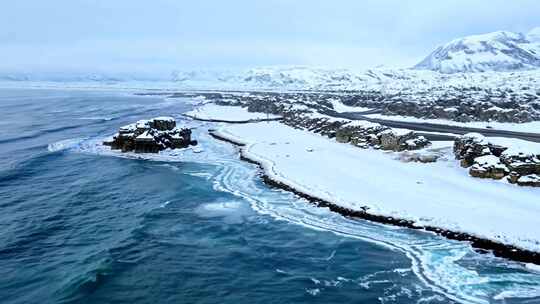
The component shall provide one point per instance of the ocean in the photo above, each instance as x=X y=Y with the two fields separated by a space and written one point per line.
x=82 y=224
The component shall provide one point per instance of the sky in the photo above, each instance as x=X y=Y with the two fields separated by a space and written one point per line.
x=159 y=36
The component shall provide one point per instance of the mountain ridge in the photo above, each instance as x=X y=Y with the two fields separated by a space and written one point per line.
x=496 y=51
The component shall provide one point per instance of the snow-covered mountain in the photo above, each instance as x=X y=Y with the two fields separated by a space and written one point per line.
x=497 y=51
x=290 y=77
x=388 y=80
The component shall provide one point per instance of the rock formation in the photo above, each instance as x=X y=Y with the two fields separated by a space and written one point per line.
x=487 y=160
x=151 y=136
x=362 y=134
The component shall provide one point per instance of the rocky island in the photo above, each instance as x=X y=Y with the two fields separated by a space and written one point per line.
x=151 y=136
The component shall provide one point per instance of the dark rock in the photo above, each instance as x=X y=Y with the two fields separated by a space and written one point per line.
x=151 y=136
x=487 y=160
x=488 y=166
x=470 y=146
x=532 y=180
x=521 y=163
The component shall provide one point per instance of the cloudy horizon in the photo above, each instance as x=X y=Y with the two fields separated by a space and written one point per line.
x=134 y=37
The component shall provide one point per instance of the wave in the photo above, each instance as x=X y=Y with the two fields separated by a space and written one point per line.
x=232 y=212
x=41 y=133
x=101 y=118
x=65 y=144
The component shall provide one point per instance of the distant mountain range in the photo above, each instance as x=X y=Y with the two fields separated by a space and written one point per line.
x=497 y=51
x=452 y=63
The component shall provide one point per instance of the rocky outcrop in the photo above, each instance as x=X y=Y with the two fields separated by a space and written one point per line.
x=487 y=160
x=400 y=141
x=362 y=134
x=151 y=136
x=465 y=111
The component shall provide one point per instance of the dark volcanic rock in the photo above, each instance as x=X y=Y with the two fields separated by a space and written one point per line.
x=470 y=146
x=486 y=160
x=151 y=136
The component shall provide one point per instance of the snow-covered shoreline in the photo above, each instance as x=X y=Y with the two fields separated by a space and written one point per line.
x=440 y=195
x=231 y=114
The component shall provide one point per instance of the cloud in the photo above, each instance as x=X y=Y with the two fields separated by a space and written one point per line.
x=163 y=35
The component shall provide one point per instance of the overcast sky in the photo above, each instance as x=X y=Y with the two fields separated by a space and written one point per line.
x=162 y=35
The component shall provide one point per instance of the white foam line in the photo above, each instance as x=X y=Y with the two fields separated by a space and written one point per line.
x=416 y=263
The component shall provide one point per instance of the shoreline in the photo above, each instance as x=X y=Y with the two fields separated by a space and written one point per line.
x=479 y=244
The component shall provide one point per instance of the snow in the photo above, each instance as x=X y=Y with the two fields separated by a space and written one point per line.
x=529 y=127
x=341 y=108
x=304 y=78
x=129 y=128
x=529 y=178
x=497 y=51
x=226 y=113
x=438 y=194
x=363 y=124
x=397 y=131
x=145 y=136
x=487 y=160
x=164 y=118
x=516 y=146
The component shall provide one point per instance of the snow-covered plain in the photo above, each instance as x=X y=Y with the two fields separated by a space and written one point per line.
x=227 y=113
x=439 y=194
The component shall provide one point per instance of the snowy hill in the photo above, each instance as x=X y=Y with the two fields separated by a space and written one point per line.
x=497 y=51
x=387 y=80
x=293 y=77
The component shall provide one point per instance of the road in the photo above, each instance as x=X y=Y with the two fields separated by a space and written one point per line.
x=422 y=127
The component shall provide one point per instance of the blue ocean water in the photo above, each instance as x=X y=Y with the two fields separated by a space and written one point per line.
x=80 y=224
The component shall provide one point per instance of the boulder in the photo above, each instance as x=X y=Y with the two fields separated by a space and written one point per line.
x=488 y=166
x=470 y=146
x=487 y=160
x=532 y=180
x=165 y=123
x=521 y=162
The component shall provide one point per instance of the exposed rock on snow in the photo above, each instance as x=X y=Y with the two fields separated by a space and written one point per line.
x=489 y=160
x=151 y=136
x=474 y=102
x=529 y=180
x=362 y=134
x=488 y=166
x=466 y=107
